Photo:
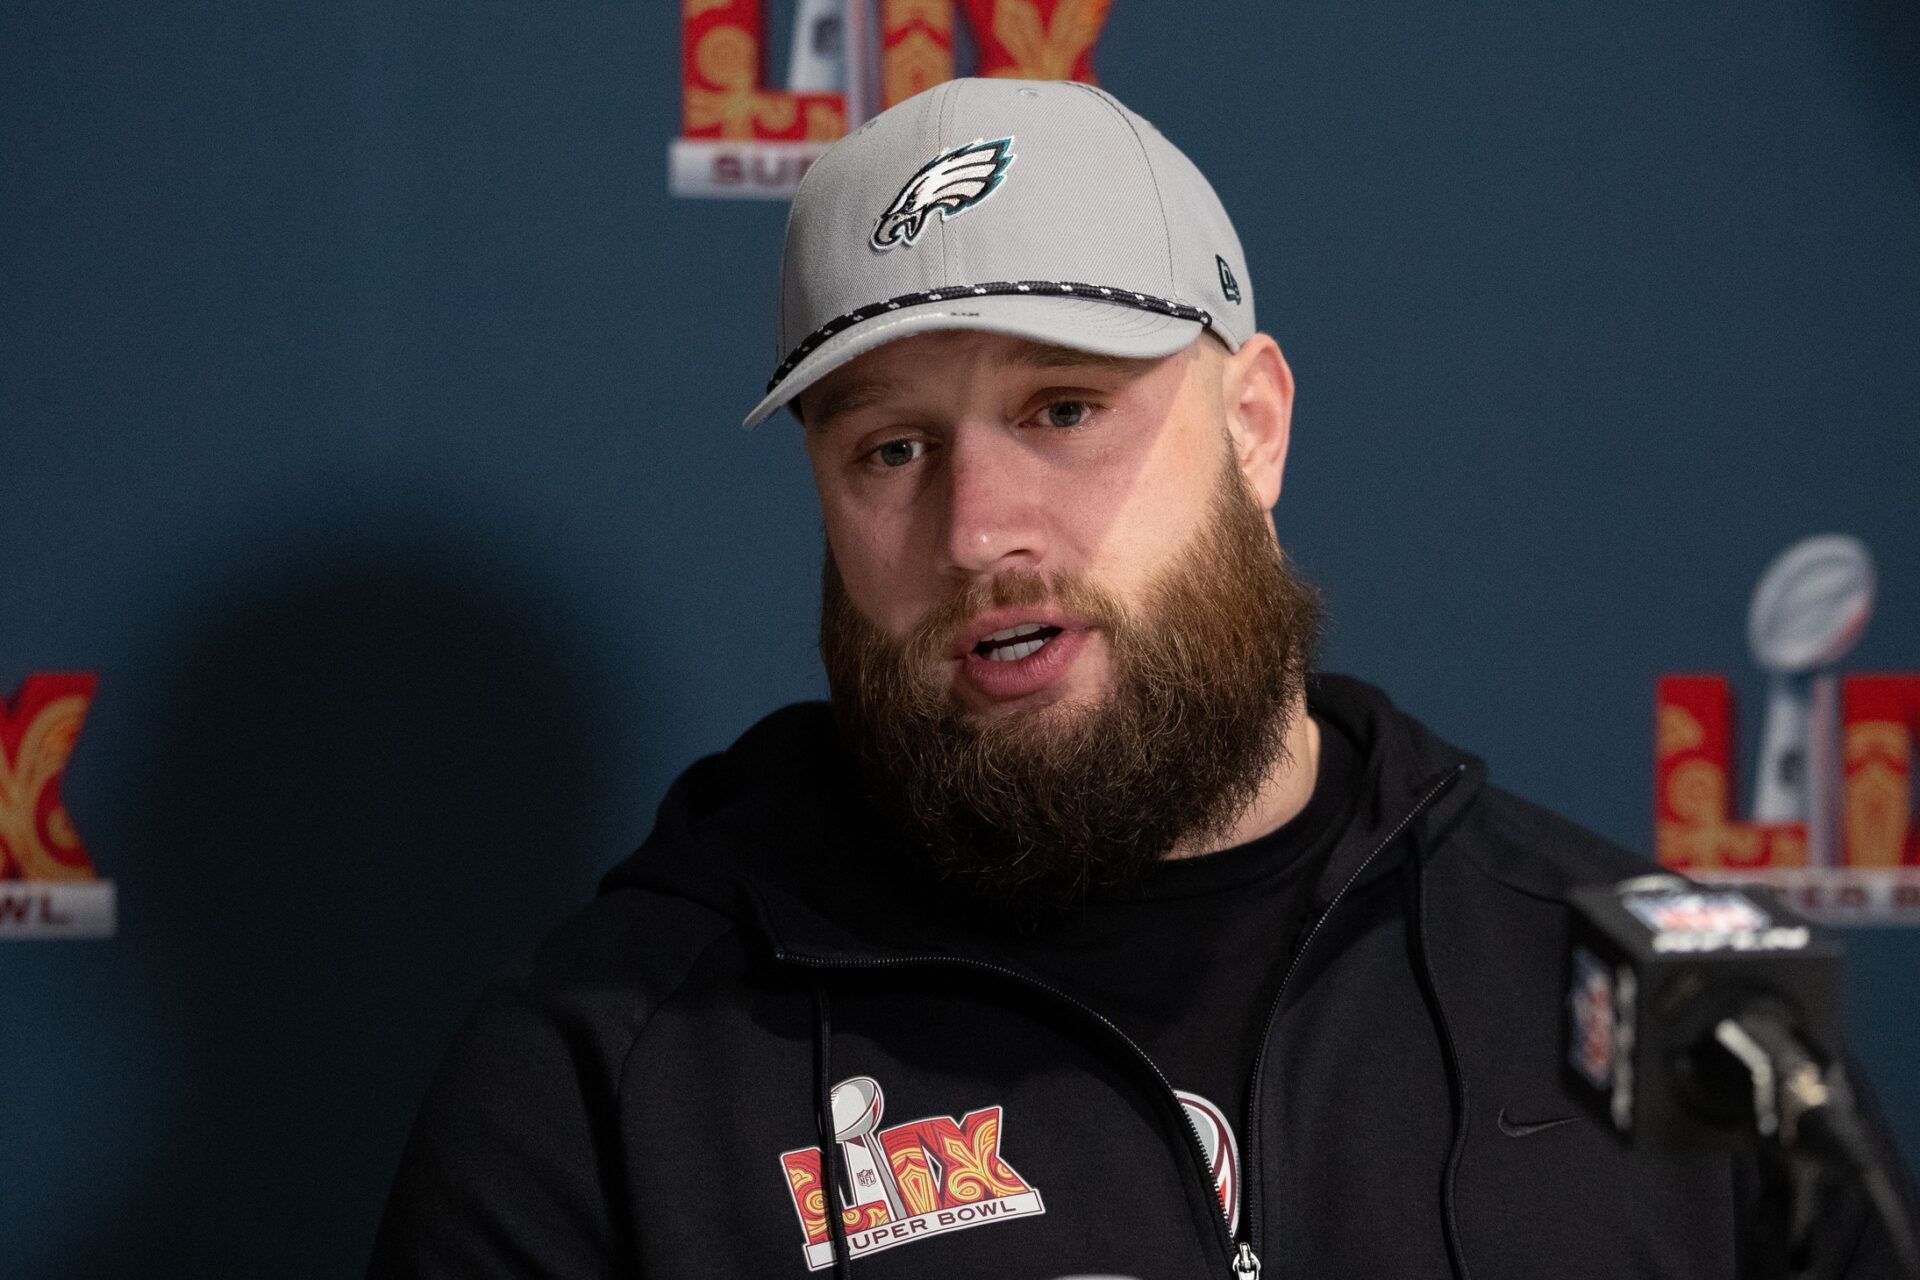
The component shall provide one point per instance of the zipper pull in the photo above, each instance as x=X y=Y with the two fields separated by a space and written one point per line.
x=1246 y=1263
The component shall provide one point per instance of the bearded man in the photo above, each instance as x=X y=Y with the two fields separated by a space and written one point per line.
x=1085 y=930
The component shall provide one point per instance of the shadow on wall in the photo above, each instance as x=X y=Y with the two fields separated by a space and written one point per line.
x=1886 y=36
x=379 y=772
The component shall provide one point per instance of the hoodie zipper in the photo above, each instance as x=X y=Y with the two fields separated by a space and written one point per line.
x=1243 y=1261
x=1255 y=1184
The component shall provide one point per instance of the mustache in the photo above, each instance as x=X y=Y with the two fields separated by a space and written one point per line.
x=1009 y=589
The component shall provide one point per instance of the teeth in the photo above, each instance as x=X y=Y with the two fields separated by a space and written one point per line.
x=1014 y=633
x=1015 y=652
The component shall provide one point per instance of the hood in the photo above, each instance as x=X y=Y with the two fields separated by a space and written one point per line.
x=776 y=832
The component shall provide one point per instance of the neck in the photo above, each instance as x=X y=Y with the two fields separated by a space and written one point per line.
x=1284 y=791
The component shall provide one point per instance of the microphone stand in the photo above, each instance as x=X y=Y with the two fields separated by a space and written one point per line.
x=1813 y=1143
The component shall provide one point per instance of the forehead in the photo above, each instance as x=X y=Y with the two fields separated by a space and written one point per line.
x=901 y=368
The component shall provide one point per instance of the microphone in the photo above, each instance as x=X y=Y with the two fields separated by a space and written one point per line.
x=1674 y=992
x=1711 y=1015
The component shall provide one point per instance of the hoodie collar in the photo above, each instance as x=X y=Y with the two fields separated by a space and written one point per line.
x=775 y=833
x=1404 y=766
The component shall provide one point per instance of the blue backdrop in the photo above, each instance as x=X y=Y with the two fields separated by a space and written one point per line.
x=367 y=420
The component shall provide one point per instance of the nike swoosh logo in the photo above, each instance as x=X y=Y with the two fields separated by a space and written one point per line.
x=1525 y=1128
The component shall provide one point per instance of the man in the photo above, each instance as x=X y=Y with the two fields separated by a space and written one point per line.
x=1084 y=932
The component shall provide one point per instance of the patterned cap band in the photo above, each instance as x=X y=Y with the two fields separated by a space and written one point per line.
x=1037 y=288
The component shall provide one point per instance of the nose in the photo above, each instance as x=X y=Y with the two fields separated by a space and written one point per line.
x=996 y=505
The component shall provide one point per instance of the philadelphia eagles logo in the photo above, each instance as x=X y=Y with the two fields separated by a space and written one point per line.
x=952 y=182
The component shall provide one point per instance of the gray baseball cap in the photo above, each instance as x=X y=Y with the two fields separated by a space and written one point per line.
x=1043 y=209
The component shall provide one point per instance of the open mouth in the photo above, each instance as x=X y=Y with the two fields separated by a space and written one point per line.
x=1015 y=643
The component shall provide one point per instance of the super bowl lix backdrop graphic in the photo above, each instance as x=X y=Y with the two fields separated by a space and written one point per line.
x=1832 y=825
x=849 y=61
x=48 y=887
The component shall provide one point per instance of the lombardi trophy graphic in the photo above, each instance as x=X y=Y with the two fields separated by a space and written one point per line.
x=1808 y=611
x=857 y=1106
x=836 y=49
x=815 y=59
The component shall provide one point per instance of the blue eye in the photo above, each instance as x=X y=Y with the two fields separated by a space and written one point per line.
x=1068 y=413
x=898 y=453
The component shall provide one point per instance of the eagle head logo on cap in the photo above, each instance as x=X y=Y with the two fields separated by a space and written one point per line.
x=952 y=183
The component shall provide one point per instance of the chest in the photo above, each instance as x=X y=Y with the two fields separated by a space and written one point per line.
x=989 y=1126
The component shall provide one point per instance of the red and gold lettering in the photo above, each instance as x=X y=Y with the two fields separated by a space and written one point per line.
x=720 y=79
x=1037 y=39
x=968 y=1153
x=1882 y=719
x=723 y=95
x=809 y=1188
x=917 y=47
x=37 y=732
x=1693 y=771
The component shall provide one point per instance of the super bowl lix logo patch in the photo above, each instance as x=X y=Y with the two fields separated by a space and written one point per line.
x=951 y=183
x=906 y=1182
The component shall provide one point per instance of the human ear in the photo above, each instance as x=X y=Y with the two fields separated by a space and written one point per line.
x=1257 y=394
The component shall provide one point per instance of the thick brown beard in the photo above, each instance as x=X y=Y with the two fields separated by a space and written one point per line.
x=1034 y=808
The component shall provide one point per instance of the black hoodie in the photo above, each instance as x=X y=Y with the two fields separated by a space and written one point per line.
x=652 y=1093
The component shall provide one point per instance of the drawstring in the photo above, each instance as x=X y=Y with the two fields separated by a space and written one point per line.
x=823 y=1121
x=1456 y=1082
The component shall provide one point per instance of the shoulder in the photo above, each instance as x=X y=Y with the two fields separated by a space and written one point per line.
x=1536 y=852
x=617 y=959
x=622 y=955
x=511 y=1137
x=794 y=746
x=605 y=971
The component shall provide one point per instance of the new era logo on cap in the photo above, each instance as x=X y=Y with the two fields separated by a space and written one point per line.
x=951 y=183
x=1229 y=287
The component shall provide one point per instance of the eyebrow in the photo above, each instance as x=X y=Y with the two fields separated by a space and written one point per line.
x=1046 y=356
x=851 y=397
x=847 y=397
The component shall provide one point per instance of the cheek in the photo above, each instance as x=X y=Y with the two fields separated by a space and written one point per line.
x=875 y=568
x=1152 y=522
x=1131 y=564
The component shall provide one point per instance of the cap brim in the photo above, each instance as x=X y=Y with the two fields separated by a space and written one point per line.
x=1080 y=324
